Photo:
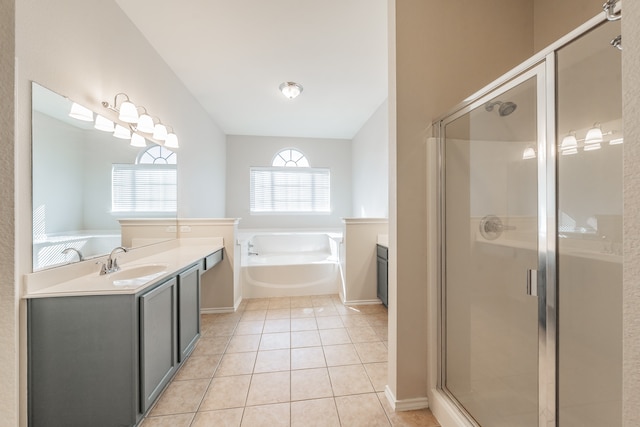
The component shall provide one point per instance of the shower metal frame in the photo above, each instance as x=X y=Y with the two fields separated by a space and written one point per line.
x=542 y=65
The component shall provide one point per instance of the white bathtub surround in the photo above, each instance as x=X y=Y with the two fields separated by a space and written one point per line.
x=144 y=231
x=220 y=291
x=284 y=264
x=358 y=259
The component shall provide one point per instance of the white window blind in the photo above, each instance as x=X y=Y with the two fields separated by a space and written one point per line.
x=290 y=190
x=144 y=188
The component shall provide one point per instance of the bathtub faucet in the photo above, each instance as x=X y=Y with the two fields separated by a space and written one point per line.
x=250 y=251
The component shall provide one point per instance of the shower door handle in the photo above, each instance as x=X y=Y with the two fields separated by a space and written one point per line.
x=532 y=282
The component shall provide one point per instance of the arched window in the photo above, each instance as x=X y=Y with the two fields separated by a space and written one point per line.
x=289 y=185
x=149 y=187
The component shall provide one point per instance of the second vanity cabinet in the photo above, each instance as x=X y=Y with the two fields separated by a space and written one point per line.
x=103 y=360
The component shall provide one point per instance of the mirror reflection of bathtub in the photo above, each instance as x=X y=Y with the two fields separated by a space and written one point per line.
x=290 y=264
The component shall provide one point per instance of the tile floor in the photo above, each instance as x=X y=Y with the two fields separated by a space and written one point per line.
x=299 y=361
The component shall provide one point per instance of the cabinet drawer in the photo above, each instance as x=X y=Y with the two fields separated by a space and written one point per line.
x=383 y=252
x=212 y=260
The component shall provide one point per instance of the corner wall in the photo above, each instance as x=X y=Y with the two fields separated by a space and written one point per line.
x=9 y=365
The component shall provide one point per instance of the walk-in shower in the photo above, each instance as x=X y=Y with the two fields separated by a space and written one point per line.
x=531 y=238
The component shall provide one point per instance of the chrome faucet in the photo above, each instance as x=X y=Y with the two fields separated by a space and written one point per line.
x=111 y=266
x=68 y=250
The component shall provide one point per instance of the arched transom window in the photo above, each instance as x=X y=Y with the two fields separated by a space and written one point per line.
x=290 y=157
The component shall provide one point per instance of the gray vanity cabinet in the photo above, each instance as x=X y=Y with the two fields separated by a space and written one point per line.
x=383 y=273
x=188 y=311
x=102 y=360
x=158 y=360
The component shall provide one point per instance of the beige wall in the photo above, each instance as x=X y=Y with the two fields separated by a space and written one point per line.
x=631 y=267
x=553 y=19
x=444 y=52
x=8 y=306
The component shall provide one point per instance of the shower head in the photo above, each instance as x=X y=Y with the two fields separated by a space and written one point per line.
x=504 y=109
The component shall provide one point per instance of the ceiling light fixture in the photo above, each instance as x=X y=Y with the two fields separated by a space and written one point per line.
x=81 y=113
x=291 y=89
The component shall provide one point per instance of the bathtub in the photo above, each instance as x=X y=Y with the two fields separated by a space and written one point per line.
x=289 y=264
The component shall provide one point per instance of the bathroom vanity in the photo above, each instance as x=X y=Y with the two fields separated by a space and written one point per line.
x=101 y=356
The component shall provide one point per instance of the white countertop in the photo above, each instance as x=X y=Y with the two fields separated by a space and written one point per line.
x=176 y=256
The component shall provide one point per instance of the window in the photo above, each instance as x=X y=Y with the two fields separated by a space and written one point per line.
x=290 y=186
x=147 y=187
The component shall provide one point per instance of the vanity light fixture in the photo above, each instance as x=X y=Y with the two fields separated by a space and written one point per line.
x=291 y=89
x=81 y=113
x=122 y=132
x=616 y=141
x=103 y=124
x=138 y=140
x=569 y=144
x=172 y=140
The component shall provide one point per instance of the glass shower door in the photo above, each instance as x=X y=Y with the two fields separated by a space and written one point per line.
x=490 y=335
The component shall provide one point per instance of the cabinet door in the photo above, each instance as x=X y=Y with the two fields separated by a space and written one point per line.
x=383 y=281
x=188 y=311
x=157 y=341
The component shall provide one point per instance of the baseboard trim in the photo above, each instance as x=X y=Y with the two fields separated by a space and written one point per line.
x=363 y=302
x=217 y=310
x=405 y=404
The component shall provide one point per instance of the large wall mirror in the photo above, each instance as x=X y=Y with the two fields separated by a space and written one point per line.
x=87 y=185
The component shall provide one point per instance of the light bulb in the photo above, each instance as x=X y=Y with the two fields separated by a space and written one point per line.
x=103 y=124
x=122 y=132
x=160 y=132
x=594 y=135
x=145 y=124
x=171 y=141
x=290 y=89
x=128 y=112
x=569 y=142
x=138 y=140
x=528 y=153
x=81 y=113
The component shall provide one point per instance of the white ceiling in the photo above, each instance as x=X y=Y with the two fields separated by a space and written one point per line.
x=233 y=54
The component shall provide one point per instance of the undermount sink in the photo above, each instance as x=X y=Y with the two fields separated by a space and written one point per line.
x=137 y=275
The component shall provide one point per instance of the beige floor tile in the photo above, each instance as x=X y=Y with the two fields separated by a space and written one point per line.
x=352 y=379
x=273 y=361
x=361 y=410
x=363 y=334
x=305 y=339
x=278 y=313
x=180 y=420
x=334 y=336
x=210 y=346
x=280 y=302
x=314 y=413
x=377 y=373
x=257 y=304
x=277 y=415
x=307 y=357
x=243 y=343
x=370 y=352
x=271 y=387
x=302 y=312
x=301 y=302
x=253 y=315
x=343 y=354
x=353 y=321
x=250 y=327
x=275 y=341
x=374 y=309
x=323 y=311
x=226 y=392
x=304 y=324
x=180 y=397
x=221 y=418
x=310 y=384
x=196 y=367
x=322 y=301
x=416 y=418
x=377 y=319
x=330 y=322
x=223 y=329
x=277 y=325
x=382 y=332
x=236 y=364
